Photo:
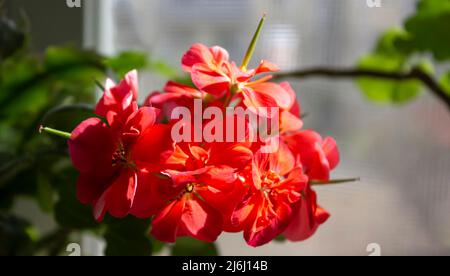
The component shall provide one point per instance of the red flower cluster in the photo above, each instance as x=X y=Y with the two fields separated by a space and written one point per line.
x=130 y=163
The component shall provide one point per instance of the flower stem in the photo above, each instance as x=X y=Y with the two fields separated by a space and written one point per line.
x=334 y=181
x=55 y=132
x=251 y=47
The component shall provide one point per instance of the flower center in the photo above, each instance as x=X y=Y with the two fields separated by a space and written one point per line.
x=270 y=178
x=235 y=88
x=119 y=157
x=190 y=188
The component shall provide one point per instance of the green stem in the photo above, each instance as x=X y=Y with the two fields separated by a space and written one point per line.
x=55 y=132
x=251 y=47
x=334 y=181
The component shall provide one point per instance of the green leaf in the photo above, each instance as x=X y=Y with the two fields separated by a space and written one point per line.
x=387 y=91
x=394 y=42
x=62 y=57
x=45 y=193
x=128 y=237
x=430 y=28
x=69 y=212
x=164 y=69
x=192 y=247
x=16 y=236
x=445 y=82
x=127 y=61
x=280 y=238
x=12 y=39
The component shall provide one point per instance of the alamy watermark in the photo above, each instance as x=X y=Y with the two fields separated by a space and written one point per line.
x=74 y=249
x=73 y=3
x=374 y=3
x=260 y=124
x=374 y=249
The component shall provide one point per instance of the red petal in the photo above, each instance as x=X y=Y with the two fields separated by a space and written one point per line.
x=266 y=229
x=331 y=151
x=283 y=161
x=91 y=145
x=198 y=53
x=245 y=211
x=119 y=197
x=209 y=81
x=290 y=122
x=165 y=225
x=254 y=101
x=152 y=195
x=151 y=144
x=90 y=186
x=307 y=218
x=266 y=66
x=281 y=96
x=200 y=221
x=138 y=123
x=118 y=101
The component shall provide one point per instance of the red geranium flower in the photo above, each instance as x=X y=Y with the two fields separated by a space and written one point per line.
x=175 y=94
x=318 y=156
x=266 y=210
x=201 y=179
x=213 y=73
x=110 y=156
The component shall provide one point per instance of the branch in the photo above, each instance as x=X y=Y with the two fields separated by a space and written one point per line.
x=415 y=74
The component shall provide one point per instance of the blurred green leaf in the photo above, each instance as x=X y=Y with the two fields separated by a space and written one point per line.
x=128 y=237
x=430 y=28
x=45 y=193
x=280 y=238
x=394 y=42
x=69 y=212
x=192 y=247
x=387 y=91
x=445 y=82
x=127 y=61
x=163 y=68
x=12 y=39
x=15 y=236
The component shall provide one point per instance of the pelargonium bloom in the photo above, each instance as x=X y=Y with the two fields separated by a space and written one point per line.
x=193 y=185
x=266 y=210
x=319 y=156
x=174 y=95
x=201 y=181
x=106 y=155
x=213 y=73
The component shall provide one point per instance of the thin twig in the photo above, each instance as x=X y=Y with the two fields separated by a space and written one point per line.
x=415 y=74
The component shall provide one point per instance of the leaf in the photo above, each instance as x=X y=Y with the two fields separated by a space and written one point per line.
x=16 y=236
x=127 y=61
x=128 y=237
x=164 y=69
x=394 y=42
x=192 y=247
x=430 y=28
x=12 y=39
x=280 y=239
x=45 y=193
x=63 y=57
x=387 y=91
x=69 y=212
x=445 y=82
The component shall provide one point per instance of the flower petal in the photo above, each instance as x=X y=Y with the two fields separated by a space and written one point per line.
x=119 y=197
x=165 y=224
x=199 y=220
x=281 y=96
x=306 y=219
x=91 y=145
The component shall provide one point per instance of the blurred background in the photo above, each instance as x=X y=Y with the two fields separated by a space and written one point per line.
x=401 y=152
